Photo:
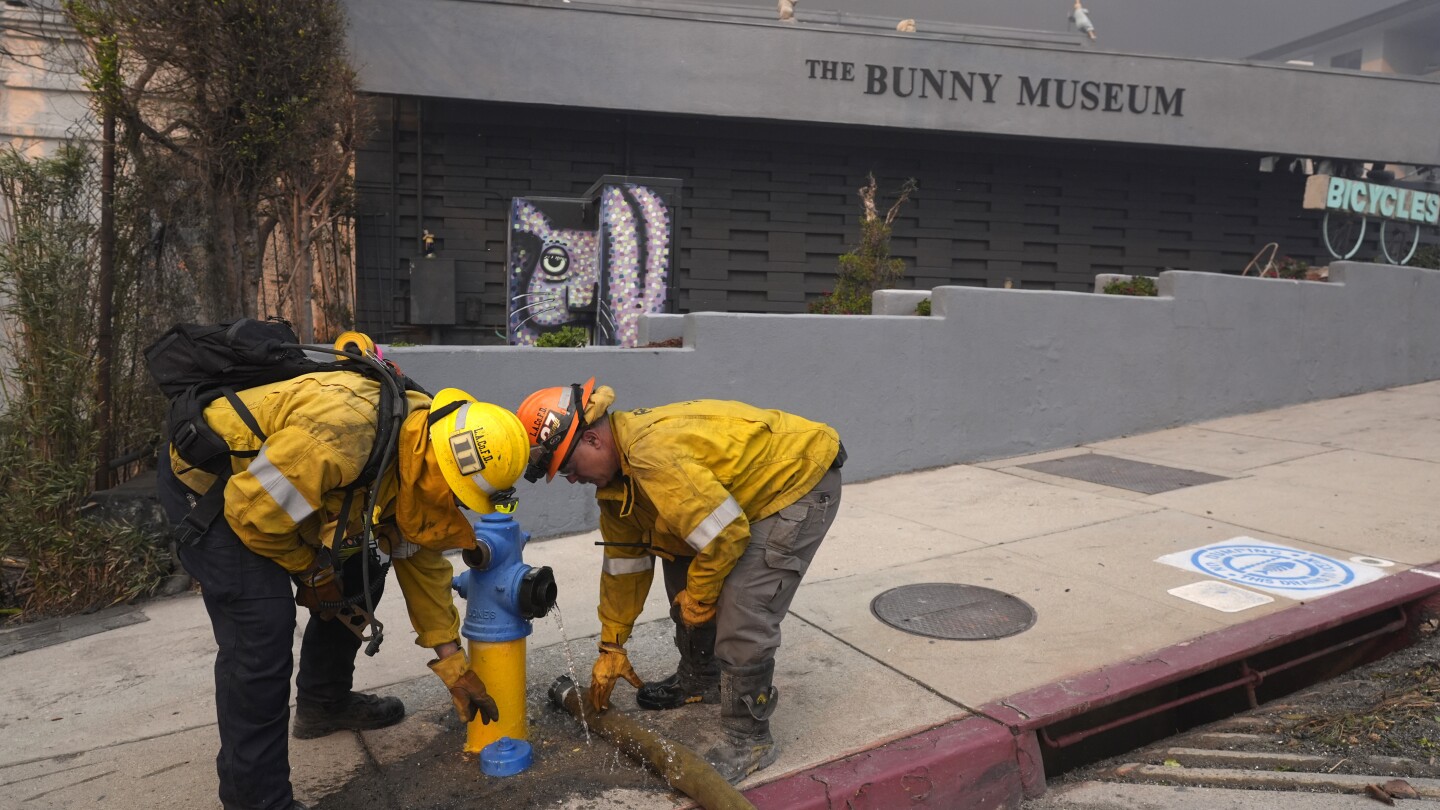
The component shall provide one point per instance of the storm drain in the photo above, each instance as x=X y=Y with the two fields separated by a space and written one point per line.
x=948 y=610
x=1136 y=476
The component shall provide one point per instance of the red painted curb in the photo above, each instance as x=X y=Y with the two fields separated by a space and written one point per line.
x=991 y=761
x=1063 y=699
x=969 y=764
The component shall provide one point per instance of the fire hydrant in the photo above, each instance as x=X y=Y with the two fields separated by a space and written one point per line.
x=502 y=595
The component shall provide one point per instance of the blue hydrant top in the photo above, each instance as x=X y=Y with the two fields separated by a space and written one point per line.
x=504 y=595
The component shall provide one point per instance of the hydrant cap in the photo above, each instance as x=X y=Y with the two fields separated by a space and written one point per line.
x=506 y=757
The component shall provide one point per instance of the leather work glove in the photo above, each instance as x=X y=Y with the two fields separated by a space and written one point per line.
x=692 y=612
x=316 y=588
x=466 y=688
x=613 y=663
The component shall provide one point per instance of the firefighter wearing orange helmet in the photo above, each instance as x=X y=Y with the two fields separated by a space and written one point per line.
x=734 y=500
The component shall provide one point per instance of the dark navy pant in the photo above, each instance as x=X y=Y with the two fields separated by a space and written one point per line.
x=252 y=613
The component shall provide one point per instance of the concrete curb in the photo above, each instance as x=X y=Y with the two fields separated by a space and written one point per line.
x=1278 y=760
x=993 y=759
x=1266 y=780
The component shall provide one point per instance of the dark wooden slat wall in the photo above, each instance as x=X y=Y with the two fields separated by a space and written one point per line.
x=768 y=207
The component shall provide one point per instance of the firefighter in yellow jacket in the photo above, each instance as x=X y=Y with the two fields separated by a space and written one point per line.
x=734 y=500
x=282 y=503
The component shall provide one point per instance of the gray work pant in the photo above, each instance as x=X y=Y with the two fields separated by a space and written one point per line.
x=757 y=593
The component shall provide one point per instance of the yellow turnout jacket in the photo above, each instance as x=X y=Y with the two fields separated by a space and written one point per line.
x=284 y=502
x=694 y=476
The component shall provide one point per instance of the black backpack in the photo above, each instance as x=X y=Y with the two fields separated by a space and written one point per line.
x=196 y=364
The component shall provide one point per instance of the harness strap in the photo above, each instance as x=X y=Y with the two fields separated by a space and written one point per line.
x=341 y=523
x=202 y=515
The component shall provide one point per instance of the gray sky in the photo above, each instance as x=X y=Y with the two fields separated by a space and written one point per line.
x=1202 y=28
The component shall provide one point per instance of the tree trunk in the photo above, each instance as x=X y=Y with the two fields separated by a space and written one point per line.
x=248 y=259
x=303 y=274
x=105 y=343
x=222 y=273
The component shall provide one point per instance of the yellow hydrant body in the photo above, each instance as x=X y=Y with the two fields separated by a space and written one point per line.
x=501 y=665
x=502 y=594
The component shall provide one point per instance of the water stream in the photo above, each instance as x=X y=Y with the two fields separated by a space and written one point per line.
x=570 y=663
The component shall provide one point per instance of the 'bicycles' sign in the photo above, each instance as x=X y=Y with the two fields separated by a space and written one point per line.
x=1325 y=193
x=1349 y=205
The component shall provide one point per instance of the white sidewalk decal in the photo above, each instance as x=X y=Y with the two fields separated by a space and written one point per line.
x=1375 y=561
x=1221 y=596
x=1273 y=568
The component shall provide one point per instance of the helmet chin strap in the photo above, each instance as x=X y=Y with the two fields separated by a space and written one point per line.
x=504 y=500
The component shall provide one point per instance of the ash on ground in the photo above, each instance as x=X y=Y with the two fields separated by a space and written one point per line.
x=430 y=771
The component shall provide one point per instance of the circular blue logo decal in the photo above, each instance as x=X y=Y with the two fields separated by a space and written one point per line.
x=1272 y=567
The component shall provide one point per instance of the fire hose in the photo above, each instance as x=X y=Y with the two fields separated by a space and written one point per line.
x=680 y=767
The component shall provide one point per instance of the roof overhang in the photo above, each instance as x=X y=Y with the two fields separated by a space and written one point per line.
x=1403 y=17
x=678 y=60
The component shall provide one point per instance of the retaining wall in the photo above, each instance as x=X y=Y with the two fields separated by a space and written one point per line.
x=995 y=372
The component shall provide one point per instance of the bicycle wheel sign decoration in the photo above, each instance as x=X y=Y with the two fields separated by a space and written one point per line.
x=1348 y=204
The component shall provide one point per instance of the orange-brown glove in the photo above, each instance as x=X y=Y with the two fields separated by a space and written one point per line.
x=466 y=689
x=612 y=664
x=694 y=613
x=319 y=590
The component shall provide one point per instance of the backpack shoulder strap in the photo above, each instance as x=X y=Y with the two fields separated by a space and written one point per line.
x=245 y=416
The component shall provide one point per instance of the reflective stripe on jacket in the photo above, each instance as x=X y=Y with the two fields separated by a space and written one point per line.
x=695 y=476
x=284 y=502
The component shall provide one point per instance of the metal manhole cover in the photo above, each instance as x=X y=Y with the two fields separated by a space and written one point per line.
x=1136 y=476
x=948 y=610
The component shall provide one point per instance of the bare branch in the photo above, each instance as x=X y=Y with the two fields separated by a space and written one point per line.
x=906 y=190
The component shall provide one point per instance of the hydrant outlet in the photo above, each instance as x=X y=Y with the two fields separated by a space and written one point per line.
x=537 y=592
x=478 y=557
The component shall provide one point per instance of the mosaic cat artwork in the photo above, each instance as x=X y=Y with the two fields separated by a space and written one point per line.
x=564 y=270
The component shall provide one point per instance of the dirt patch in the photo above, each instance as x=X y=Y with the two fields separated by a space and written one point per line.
x=567 y=772
x=1389 y=708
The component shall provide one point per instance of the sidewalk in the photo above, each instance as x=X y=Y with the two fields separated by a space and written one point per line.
x=124 y=718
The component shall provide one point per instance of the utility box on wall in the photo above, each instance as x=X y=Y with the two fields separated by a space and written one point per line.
x=599 y=261
x=432 y=292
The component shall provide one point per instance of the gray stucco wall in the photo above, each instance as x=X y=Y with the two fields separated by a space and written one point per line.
x=993 y=372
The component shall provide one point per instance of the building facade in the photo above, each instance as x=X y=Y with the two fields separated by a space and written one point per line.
x=43 y=99
x=1041 y=161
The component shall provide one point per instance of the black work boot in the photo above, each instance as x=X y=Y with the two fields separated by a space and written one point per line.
x=746 y=702
x=359 y=712
x=697 y=680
